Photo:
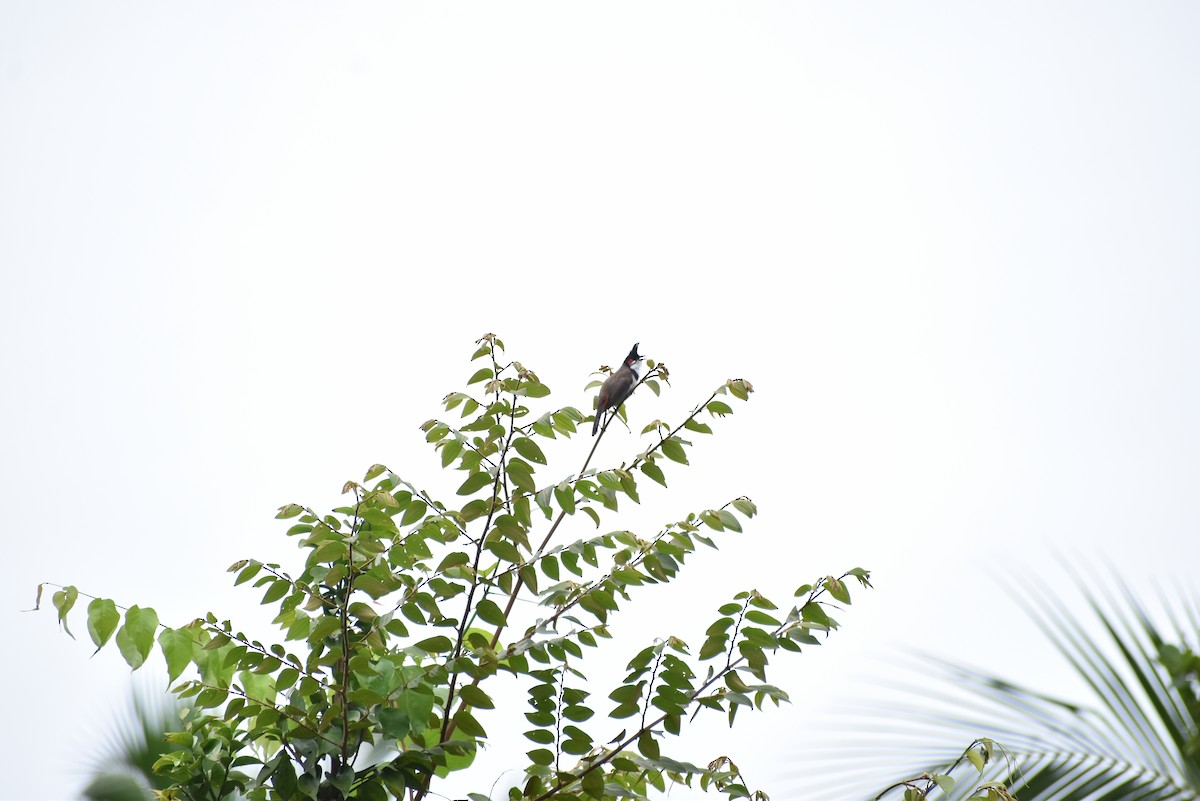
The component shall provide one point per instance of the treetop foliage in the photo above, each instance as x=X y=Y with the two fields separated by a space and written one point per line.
x=406 y=608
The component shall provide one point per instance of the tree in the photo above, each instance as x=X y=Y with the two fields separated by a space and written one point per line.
x=406 y=610
x=1139 y=739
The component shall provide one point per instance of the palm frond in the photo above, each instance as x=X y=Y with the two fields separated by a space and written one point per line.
x=1133 y=742
x=135 y=740
x=1126 y=717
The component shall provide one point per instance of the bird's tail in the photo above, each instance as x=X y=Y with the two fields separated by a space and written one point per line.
x=596 y=422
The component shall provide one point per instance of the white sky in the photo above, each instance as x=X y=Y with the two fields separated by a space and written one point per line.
x=245 y=250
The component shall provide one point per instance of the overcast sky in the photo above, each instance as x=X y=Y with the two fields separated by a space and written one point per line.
x=245 y=249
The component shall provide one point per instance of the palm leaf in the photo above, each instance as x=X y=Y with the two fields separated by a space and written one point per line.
x=133 y=743
x=1132 y=743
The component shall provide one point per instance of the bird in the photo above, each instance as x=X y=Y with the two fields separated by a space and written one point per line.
x=616 y=387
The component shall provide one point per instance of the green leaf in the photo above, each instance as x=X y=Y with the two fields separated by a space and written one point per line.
x=476 y=697
x=435 y=645
x=728 y=519
x=813 y=613
x=323 y=628
x=395 y=723
x=564 y=493
x=593 y=783
x=610 y=479
x=654 y=472
x=719 y=408
x=648 y=746
x=467 y=724
x=260 y=686
x=474 y=510
x=627 y=693
x=626 y=710
x=713 y=646
x=543 y=426
x=604 y=598
x=63 y=600
x=450 y=451
x=412 y=710
x=103 y=618
x=521 y=474
x=529 y=575
x=178 y=647
x=482 y=374
x=577 y=713
x=672 y=448
x=576 y=747
x=286 y=678
x=435 y=431
x=490 y=612
x=761 y=618
x=343 y=780
x=476 y=482
x=521 y=510
x=739 y=388
x=534 y=389
x=453 y=559
x=945 y=782
x=505 y=550
x=838 y=589
x=415 y=511
x=543 y=501
x=530 y=450
x=540 y=756
x=248 y=572
x=331 y=551
x=629 y=485
x=136 y=637
x=746 y=507
x=735 y=683
x=277 y=590
x=510 y=527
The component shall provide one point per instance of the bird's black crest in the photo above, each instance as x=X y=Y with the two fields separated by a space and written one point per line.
x=633 y=354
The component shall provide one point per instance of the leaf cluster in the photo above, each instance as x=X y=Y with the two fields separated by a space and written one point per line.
x=1133 y=739
x=978 y=755
x=406 y=606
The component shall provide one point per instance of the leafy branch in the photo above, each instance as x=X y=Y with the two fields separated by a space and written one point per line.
x=403 y=602
x=979 y=754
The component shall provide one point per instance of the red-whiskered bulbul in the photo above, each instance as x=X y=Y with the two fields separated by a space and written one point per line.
x=616 y=387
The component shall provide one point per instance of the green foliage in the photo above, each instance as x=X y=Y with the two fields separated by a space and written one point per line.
x=976 y=762
x=1137 y=738
x=405 y=610
x=132 y=746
